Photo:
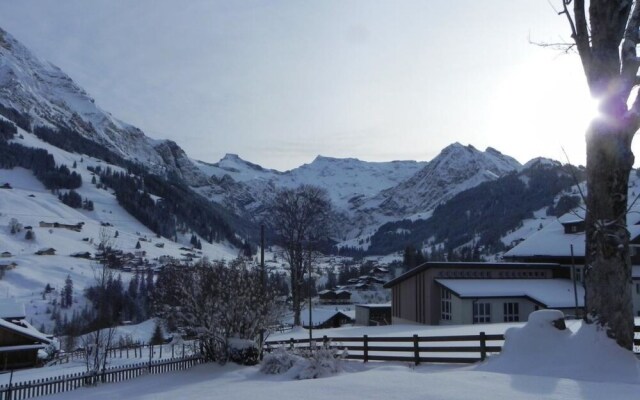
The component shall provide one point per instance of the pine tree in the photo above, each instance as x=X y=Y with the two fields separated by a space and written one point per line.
x=67 y=292
x=157 y=337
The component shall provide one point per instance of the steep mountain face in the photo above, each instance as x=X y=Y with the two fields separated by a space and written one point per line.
x=456 y=169
x=49 y=97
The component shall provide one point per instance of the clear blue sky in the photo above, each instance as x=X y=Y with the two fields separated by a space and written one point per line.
x=279 y=82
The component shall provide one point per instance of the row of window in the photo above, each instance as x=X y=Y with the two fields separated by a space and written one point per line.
x=489 y=274
x=481 y=310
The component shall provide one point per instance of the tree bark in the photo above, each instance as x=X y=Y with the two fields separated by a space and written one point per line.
x=608 y=263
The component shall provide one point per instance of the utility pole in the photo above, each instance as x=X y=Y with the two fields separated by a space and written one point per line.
x=310 y=305
x=575 y=288
x=262 y=281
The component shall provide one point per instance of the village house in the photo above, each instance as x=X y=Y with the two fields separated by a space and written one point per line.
x=440 y=293
x=562 y=241
x=373 y=314
x=49 y=251
x=334 y=296
x=19 y=341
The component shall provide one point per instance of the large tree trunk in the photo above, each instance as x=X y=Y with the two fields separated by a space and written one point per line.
x=608 y=263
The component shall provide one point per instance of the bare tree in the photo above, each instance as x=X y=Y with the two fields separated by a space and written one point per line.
x=606 y=41
x=220 y=301
x=300 y=219
x=100 y=339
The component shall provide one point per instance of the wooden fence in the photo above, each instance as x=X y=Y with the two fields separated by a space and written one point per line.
x=464 y=349
x=65 y=383
x=145 y=351
x=417 y=349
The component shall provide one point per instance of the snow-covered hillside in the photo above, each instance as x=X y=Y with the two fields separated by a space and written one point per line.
x=29 y=203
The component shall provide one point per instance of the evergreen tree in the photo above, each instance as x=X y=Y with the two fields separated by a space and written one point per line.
x=67 y=292
x=157 y=337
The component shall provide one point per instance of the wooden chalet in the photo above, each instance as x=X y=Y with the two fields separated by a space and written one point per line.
x=19 y=341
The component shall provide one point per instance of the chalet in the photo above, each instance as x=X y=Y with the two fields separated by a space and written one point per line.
x=73 y=227
x=6 y=254
x=81 y=254
x=50 y=251
x=373 y=314
x=6 y=185
x=334 y=296
x=440 y=293
x=19 y=341
x=322 y=317
x=563 y=242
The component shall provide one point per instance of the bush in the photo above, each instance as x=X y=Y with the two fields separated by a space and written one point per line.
x=243 y=352
x=322 y=362
x=279 y=361
x=304 y=364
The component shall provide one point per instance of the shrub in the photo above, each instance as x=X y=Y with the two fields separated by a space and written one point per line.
x=321 y=362
x=279 y=361
x=243 y=352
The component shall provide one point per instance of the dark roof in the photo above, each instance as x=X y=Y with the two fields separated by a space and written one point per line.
x=470 y=265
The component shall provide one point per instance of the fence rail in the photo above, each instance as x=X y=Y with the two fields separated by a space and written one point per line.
x=465 y=348
x=65 y=383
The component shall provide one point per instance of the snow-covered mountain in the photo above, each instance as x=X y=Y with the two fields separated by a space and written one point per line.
x=367 y=194
x=455 y=169
x=50 y=98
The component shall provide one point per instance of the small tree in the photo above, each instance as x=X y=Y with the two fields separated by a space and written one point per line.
x=157 y=337
x=67 y=293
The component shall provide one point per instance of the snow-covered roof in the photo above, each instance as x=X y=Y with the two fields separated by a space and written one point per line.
x=9 y=309
x=548 y=292
x=382 y=305
x=553 y=241
x=27 y=330
x=320 y=315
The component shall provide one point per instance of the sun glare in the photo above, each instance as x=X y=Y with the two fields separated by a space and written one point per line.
x=543 y=108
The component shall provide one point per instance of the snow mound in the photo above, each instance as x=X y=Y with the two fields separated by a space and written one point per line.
x=539 y=348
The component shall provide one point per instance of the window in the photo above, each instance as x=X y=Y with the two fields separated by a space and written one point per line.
x=511 y=312
x=445 y=304
x=637 y=288
x=481 y=313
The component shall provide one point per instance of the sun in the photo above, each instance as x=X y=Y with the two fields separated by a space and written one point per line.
x=543 y=108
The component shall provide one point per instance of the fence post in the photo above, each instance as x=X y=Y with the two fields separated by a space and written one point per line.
x=416 y=349
x=483 y=346
x=365 y=342
x=325 y=342
x=172 y=350
x=291 y=344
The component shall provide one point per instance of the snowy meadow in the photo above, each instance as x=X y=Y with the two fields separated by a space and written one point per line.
x=538 y=361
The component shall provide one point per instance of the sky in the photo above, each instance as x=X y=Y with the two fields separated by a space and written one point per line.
x=280 y=82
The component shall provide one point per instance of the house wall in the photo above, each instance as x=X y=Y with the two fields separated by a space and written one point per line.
x=417 y=299
x=462 y=309
x=635 y=296
x=362 y=316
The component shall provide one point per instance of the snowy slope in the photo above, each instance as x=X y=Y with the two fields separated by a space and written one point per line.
x=29 y=203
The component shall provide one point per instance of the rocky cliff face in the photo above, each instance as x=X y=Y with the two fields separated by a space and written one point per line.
x=52 y=99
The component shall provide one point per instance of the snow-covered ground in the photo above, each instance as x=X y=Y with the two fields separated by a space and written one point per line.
x=538 y=362
x=29 y=202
